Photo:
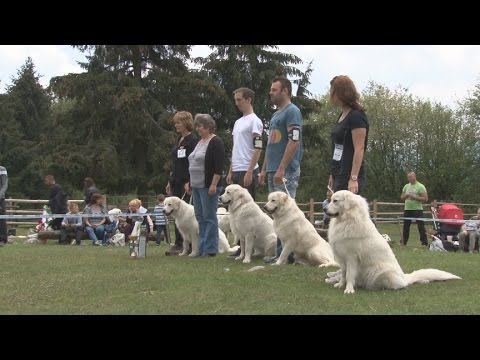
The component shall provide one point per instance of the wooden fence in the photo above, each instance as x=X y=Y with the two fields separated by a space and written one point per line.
x=26 y=207
x=381 y=212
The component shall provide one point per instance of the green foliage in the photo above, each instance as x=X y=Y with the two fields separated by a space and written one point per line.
x=113 y=123
x=315 y=167
x=24 y=117
x=252 y=66
x=29 y=101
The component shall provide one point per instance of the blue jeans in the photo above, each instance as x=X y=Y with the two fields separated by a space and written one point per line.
x=164 y=229
x=205 y=207
x=291 y=183
x=95 y=234
x=290 y=187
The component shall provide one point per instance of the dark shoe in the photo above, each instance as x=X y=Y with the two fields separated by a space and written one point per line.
x=236 y=253
x=174 y=250
x=212 y=255
x=157 y=243
x=271 y=260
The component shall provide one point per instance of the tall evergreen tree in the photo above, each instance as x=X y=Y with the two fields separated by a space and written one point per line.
x=29 y=101
x=252 y=66
x=26 y=115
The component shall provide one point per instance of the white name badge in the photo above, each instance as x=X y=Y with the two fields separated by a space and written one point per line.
x=337 y=154
x=181 y=153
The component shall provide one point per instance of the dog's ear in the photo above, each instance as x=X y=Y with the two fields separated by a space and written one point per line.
x=348 y=200
x=239 y=194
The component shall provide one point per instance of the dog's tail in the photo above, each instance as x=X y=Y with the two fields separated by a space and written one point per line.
x=424 y=276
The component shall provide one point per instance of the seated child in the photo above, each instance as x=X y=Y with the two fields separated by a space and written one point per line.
x=71 y=225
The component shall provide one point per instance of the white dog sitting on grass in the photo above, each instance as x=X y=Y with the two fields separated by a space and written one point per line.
x=366 y=259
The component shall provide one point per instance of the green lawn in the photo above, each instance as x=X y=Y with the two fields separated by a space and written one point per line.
x=55 y=279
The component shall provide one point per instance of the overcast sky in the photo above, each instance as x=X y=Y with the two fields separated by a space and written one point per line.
x=442 y=73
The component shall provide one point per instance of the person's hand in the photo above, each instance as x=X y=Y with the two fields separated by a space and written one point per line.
x=353 y=186
x=261 y=178
x=228 y=179
x=248 y=179
x=212 y=190
x=278 y=177
x=168 y=191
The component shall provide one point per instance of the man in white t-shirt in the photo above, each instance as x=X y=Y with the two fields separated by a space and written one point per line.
x=247 y=143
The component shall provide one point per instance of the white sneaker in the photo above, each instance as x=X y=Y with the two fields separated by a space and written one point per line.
x=73 y=242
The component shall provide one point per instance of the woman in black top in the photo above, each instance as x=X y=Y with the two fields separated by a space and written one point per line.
x=349 y=138
x=179 y=176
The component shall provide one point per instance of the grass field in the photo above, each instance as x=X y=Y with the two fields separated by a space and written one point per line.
x=54 y=279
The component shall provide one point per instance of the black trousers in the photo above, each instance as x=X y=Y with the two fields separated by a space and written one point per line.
x=178 y=189
x=76 y=231
x=3 y=222
x=420 y=224
x=238 y=176
x=340 y=182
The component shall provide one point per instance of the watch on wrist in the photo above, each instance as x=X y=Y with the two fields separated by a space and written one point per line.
x=354 y=177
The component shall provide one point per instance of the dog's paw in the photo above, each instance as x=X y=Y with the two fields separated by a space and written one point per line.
x=334 y=273
x=246 y=261
x=349 y=290
x=323 y=265
x=338 y=285
x=239 y=258
x=192 y=254
x=331 y=280
x=182 y=254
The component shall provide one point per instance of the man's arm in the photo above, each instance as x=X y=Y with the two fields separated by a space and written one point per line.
x=288 y=155
x=248 y=178
x=422 y=197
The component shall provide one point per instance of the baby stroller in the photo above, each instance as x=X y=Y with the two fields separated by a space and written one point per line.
x=448 y=223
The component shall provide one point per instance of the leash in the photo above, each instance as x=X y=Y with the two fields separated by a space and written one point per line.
x=285 y=186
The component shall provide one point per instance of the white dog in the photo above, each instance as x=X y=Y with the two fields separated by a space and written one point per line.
x=187 y=224
x=366 y=259
x=223 y=217
x=297 y=234
x=113 y=214
x=249 y=224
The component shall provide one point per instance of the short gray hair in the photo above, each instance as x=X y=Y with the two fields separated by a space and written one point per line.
x=206 y=121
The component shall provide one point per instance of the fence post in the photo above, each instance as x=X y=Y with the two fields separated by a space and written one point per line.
x=312 y=211
x=375 y=211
